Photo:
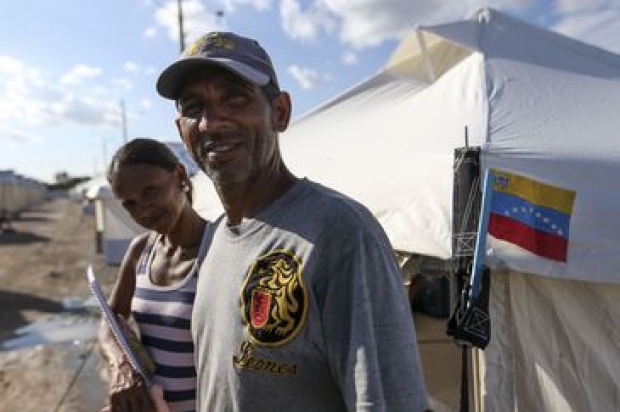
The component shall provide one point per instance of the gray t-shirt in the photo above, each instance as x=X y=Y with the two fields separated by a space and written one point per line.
x=303 y=309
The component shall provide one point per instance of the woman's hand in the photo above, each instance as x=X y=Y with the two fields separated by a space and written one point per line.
x=127 y=390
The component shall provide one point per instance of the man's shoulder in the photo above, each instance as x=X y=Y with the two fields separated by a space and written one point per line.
x=335 y=206
x=337 y=197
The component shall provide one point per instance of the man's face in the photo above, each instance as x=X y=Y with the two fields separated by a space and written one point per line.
x=228 y=126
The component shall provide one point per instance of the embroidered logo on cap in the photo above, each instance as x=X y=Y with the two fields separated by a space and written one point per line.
x=209 y=44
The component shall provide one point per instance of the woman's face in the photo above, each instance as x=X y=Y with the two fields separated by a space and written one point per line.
x=152 y=196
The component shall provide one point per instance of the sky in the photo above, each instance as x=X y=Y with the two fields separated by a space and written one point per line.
x=77 y=77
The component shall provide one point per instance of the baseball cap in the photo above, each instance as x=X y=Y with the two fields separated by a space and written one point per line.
x=241 y=55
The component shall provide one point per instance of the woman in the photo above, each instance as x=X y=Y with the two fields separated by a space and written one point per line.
x=157 y=277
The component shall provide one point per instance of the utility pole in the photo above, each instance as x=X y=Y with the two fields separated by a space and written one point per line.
x=181 y=29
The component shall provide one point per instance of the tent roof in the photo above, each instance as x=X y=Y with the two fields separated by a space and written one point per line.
x=538 y=103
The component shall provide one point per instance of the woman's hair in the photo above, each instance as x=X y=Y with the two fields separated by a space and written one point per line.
x=144 y=151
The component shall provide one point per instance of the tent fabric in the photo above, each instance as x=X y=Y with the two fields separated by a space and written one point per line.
x=554 y=346
x=538 y=104
x=118 y=230
x=17 y=193
x=382 y=145
x=205 y=201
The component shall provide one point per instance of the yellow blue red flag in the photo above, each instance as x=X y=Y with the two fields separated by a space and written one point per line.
x=531 y=214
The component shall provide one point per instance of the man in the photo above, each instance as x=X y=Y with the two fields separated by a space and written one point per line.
x=300 y=304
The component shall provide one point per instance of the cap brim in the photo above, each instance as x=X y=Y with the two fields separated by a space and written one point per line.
x=171 y=78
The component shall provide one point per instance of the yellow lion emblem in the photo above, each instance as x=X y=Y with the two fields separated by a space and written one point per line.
x=274 y=298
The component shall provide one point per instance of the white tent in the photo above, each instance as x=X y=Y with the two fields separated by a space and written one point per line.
x=17 y=193
x=114 y=226
x=538 y=104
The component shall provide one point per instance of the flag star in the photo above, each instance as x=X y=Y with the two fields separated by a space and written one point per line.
x=560 y=232
x=546 y=220
x=538 y=215
x=515 y=210
x=554 y=226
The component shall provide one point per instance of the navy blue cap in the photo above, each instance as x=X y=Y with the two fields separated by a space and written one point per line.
x=241 y=55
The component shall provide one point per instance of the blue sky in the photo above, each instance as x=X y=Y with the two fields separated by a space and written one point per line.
x=67 y=67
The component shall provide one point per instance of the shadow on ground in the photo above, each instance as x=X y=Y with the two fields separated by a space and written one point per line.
x=13 y=237
x=33 y=217
x=13 y=303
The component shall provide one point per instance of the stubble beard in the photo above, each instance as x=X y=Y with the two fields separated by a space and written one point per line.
x=223 y=180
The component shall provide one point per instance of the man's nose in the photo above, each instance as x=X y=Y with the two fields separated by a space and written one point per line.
x=210 y=120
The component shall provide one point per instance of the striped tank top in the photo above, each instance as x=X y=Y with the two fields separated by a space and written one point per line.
x=163 y=316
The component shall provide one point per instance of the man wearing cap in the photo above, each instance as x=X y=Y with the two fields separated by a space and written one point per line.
x=300 y=304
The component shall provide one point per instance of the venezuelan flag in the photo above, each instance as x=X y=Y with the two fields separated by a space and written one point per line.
x=531 y=214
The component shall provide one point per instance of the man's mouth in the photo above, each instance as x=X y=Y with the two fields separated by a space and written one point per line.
x=219 y=152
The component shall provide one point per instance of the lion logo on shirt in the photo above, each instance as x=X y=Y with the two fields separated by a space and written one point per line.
x=274 y=299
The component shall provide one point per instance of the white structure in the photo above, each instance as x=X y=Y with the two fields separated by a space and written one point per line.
x=18 y=193
x=537 y=103
x=114 y=227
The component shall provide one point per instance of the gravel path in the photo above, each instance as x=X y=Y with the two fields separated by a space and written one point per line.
x=42 y=266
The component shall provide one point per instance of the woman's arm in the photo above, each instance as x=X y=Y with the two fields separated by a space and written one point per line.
x=125 y=286
x=126 y=389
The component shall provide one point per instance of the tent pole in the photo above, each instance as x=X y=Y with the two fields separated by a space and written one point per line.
x=430 y=70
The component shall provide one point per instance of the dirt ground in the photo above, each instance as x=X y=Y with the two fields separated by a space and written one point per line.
x=43 y=262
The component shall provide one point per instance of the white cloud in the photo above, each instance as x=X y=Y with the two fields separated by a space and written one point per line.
x=20 y=136
x=302 y=25
x=574 y=6
x=349 y=58
x=26 y=96
x=597 y=27
x=131 y=67
x=365 y=23
x=30 y=99
x=260 y=5
x=79 y=73
x=10 y=65
x=368 y=23
x=122 y=83
x=196 y=19
x=90 y=111
x=150 y=32
x=307 y=78
x=146 y=104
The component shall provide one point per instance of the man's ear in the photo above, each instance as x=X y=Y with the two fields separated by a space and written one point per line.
x=281 y=109
x=177 y=123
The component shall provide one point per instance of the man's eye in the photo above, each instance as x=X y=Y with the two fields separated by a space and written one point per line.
x=191 y=110
x=237 y=98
